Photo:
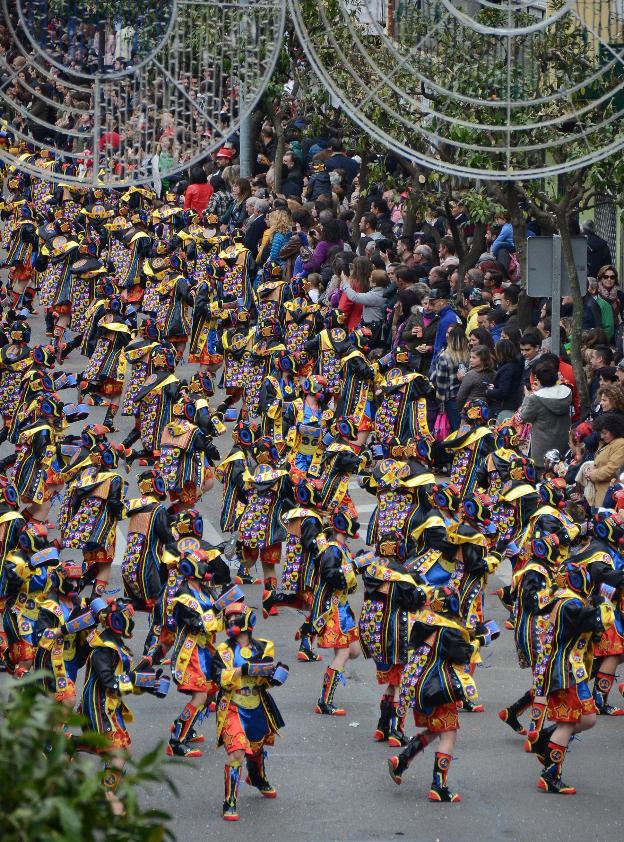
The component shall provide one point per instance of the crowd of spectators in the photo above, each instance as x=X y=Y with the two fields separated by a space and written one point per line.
x=408 y=290
x=360 y=250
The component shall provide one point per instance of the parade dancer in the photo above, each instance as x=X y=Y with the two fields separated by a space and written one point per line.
x=562 y=675
x=433 y=681
x=93 y=505
x=268 y=493
x=197 y=622
x=332 y=617
x=300 y=575
x=149 y=540
x=61 y=649
x=390 y=594
x=110 y=677
x=247 y=716
x=470 y=445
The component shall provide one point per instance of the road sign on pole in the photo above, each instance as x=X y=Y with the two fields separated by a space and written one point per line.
x=555 y=304
x=540 y=271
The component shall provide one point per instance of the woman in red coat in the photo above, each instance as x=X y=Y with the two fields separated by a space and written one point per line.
x=198 y=192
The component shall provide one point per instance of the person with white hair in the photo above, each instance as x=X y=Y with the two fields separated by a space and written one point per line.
x=257 y=224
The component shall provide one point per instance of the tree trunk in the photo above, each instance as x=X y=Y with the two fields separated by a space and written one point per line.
x=280 y=145
x=458 y=239
x=409 y=218
x=518 y=220
x=361 y=204
x=577 y=309
x=470 y=257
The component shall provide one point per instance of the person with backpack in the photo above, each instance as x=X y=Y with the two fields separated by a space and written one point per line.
x=504 y=249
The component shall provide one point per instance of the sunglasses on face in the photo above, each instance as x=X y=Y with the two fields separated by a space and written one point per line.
x=607 y=277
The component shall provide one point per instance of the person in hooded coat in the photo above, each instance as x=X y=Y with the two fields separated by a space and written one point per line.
x=547 y=409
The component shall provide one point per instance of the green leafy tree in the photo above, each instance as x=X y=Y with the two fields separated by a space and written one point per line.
x=50 y=792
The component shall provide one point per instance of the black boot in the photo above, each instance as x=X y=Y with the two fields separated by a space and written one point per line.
x=130 y=439
x=550 y=779
x=49 y=324
x=7 y=462
x=380 y=734
x=71 y=346
x=399 y=763
x=244 y=577
x=396 y=734
x=271 y=598
x=177 y=749
x=602 y=687
x=471 y=707
x=108 y=418
x=147 y=455
x=510 y=714
x=256 y=775
x=540 y=746
x=306 y=654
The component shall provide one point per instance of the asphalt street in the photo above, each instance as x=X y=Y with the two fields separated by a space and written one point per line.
x=332 y=777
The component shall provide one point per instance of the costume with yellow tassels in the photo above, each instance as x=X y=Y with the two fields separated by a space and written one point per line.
x=235 y=345
x=401 y=399
x=331 y=615
x=326 y=349
x=237 y=281
x=103 y=378
x=402 y=491
x=277 y=394
x=300 y=576
x=93 y=505
x=247 y=717
x=301 y=323
x=434 y=681
x=308 y=419
x=136 y=245
x=198 y=617
x=356 y=400
x=470 y=445
x=173 y=315
x=209 y=313
x=149 y=539
x=138 y=352
x=271 y=294
x=391 y=595
x=580 y=611
x=155 y=398
x=268 y=493
x=187 y=452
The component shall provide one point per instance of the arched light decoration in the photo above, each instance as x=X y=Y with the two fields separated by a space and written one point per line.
x=144 y=69
x=494 y=90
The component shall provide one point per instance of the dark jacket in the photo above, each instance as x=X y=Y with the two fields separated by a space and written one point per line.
x=423 y=269
x=319 y=184
x=505 y=394
x=591 y=312
x=292 y=185
x=254 y=233
x=529 y=365
x=340 y=161
x=512 y=322
x=598 y=254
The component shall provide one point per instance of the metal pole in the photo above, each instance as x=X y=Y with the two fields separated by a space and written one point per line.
x=246 y=164
x=555 y=310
